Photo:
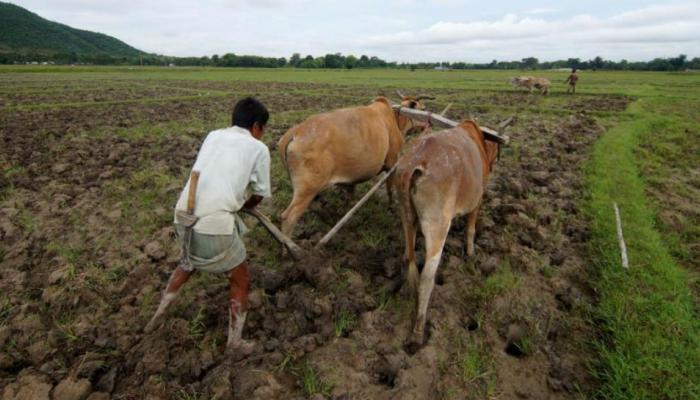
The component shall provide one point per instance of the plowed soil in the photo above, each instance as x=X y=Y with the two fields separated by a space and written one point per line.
x=87 y=246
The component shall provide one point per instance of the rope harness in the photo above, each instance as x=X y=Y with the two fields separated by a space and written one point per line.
x=188 y=221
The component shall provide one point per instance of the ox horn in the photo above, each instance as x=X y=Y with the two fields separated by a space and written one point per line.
x=422 y=97
x=400 y=94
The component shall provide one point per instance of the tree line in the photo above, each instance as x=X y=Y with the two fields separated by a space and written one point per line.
x=339 y=61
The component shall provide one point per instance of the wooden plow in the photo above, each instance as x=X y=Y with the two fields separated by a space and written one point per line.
x=298 y=253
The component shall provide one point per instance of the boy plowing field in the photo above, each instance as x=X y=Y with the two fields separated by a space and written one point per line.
x=230 y=163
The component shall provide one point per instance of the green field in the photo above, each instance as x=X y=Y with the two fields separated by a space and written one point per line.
x=93 y=160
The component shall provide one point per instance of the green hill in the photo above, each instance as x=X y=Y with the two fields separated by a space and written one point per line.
x=22 y=31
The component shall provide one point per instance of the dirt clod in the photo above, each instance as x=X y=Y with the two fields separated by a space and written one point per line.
x=154 y=250
x=69 y=389
x=29 y=386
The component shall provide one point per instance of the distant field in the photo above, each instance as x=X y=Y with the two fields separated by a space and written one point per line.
x=93 y=158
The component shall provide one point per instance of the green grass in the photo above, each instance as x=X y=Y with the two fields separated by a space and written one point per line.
x=501 y=280
x=183 y=394
x=344 y=322
x=672 y=84
x=311 y=380
x=196 y=324
x=670 y=171
x=651 y=343
x=474 y=363
x=5 y=310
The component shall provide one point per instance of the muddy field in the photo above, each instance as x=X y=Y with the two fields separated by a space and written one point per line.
x=86 y=246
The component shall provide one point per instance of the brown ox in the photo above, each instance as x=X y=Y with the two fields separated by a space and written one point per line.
x=344 y=146
x=531 y=83
x=443 y=175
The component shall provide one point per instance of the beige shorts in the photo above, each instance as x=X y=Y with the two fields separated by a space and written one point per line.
x=215 y=253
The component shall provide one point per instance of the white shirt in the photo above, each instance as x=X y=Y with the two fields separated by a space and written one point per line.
x=230 y=162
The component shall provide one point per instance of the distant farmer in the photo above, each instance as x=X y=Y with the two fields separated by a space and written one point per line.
x=571 y=80
x=231 y=162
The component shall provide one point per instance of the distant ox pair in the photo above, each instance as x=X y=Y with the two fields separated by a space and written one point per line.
x=441 y=176
x=531 y=83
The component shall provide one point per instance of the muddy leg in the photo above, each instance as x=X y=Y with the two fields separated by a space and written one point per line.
x=471 y=230
x=435 y=234
x=177 y=279
x=239 y=281
x=410 y=228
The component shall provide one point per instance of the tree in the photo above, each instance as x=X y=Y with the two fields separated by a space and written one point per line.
x=659 y=64
x=333 y=60
x=307 y=62
x=529 y=63
x=573 y=63
x=694 y=63
x=678 y=63
x=350 y=61
x=364 y=61
x=597 y=63
x=295 y=60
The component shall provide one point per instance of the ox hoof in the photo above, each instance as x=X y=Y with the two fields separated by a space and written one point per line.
x=414 y=344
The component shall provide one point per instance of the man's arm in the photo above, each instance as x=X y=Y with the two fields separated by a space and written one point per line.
x=259 y=181
x=252 y=201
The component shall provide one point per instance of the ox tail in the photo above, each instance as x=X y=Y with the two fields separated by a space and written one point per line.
x=410 y=219
x=283 y=147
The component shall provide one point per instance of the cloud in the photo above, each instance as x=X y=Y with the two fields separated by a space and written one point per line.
x=514 y=37
x=540 y=11
x=400 y=30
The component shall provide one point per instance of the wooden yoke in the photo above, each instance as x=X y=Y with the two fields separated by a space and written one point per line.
x=489 y=134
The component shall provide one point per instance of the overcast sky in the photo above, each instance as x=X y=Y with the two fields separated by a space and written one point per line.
x=394 y=30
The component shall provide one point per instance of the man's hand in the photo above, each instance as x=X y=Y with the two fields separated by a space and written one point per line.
x=252 y=201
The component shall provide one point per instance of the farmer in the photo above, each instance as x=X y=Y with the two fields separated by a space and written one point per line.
x=571 y=80
x=231 y=162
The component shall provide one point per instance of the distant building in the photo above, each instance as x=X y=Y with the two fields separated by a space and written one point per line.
x=442 y=68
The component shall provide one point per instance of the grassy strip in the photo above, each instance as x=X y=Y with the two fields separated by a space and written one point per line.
x=651 y=344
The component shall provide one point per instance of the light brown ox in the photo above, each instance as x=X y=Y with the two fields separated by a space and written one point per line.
x=531 y=83
x=442 y=176
x=345 y=146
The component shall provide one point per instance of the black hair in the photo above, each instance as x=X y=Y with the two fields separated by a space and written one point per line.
x=247 y=112
x=573 y=69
